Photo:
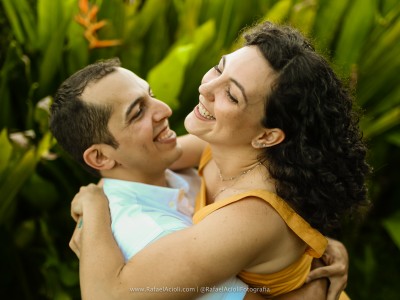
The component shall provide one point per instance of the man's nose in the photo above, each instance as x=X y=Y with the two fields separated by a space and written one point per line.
x=162 y=111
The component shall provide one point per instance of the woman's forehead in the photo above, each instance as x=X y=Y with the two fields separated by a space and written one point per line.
x=248 y=66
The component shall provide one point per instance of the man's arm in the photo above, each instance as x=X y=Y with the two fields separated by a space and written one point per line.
x=315 y=290
x=335 y=268
x=328 y=276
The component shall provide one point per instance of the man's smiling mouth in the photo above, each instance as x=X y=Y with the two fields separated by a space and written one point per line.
x=165 y=135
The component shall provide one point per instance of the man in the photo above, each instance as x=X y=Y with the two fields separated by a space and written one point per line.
x=107 y=118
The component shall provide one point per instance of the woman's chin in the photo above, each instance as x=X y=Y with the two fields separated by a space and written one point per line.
x=193 y=125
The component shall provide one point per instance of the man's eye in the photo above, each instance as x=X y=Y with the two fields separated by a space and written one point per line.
x=137 y=114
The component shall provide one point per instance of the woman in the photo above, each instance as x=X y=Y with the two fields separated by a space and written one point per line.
x=285 y=164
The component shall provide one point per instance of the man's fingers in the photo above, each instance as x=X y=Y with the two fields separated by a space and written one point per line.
x=332 y=296
x=335 y=286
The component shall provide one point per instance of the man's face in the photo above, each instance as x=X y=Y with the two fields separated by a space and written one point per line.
x=138 y=122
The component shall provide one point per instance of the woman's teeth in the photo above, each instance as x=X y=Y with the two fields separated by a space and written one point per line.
x=205 y=113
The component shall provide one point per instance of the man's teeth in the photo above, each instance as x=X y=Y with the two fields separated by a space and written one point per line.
x=165 y=134
x=204 y=112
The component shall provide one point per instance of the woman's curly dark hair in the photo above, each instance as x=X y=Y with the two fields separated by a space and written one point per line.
x=320 y=168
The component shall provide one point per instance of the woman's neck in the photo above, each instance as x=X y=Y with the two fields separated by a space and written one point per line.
x=233 y=161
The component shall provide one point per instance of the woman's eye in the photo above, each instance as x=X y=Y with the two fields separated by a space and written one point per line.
x=217 y=69
x=231 y=98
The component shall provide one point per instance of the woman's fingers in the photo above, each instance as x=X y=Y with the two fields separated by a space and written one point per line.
x=74 y=243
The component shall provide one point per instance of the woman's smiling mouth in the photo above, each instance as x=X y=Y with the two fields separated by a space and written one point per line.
x=204 y=112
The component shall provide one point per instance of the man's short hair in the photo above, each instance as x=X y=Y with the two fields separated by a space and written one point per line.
x=77 y=124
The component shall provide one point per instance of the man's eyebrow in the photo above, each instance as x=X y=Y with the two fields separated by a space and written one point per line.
x=132 y=106
x=241 y=88
x=134 y=103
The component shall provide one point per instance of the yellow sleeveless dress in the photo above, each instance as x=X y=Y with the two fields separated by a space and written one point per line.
x=291 y=277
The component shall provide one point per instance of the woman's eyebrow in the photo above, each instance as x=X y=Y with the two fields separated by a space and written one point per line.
x=241 y=88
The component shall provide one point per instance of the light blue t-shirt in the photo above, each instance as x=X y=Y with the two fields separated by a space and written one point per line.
x=142 y=213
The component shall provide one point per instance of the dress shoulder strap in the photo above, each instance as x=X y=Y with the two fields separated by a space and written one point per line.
x=312 y=237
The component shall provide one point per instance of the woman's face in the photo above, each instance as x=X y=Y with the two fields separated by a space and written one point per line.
x=232 y=99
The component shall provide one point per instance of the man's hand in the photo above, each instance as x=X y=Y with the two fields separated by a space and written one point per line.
x=336 y=269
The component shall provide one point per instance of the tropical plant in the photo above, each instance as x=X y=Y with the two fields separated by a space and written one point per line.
x=173 y=43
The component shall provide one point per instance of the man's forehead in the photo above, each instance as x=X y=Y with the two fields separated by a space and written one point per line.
x=134 y=78
x=114 y=85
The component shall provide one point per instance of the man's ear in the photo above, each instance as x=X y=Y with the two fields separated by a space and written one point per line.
x=270 y=137
x=95 y=157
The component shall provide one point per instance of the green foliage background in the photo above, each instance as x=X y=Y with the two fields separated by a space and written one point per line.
x=172 y=43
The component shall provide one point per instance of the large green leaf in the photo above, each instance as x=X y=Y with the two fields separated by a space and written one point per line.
x=138 y=26
x=328 y=21
x=53 y=34
x=18 y=174
x=5 y=151
x=52 y=16
x=22 y=19
x=385 y=122
x=392 y=226
x=385 y=36
x=28 y=20
x=166 y=79
x=202 y=38
x=12 y=15
x=76 y=49
x=279 y=12
x=394 y=138
x=356 y=27
x=303 y=16
x=10 y=186
x=11 y=60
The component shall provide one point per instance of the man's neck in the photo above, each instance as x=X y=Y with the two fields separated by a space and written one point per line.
x=158 y=179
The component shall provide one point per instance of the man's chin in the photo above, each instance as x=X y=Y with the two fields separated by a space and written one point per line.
x=179 y=151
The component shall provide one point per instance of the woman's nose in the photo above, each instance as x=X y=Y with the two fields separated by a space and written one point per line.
x=206 y=89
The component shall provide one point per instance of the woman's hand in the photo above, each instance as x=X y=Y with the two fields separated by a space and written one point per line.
x=75 y=242
x=86 y=193
x=336 y=269
x=90 y=191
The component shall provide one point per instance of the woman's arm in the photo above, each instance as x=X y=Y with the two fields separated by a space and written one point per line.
x=95 y=246
x=104 y=274
x=201 y=255
x=192 y=148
